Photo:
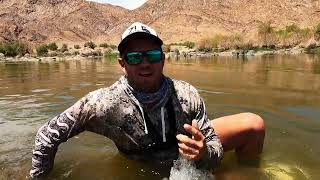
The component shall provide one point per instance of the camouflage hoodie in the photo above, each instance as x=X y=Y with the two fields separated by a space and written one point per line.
x=138 y=132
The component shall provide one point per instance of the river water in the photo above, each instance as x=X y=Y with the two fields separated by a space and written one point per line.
x=284 y=90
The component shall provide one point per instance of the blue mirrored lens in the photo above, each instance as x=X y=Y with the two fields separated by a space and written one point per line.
x=153 y=56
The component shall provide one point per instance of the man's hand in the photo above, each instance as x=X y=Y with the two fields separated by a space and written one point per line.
x=195 y=148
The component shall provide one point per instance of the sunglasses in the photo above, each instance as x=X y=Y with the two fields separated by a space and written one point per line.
x=153 y=56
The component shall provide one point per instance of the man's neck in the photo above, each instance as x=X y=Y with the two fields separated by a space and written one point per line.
x=147 y=90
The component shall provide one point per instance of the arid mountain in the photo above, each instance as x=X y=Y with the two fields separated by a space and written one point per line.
x=56 y=20
x=40 y=21
x=193 y=19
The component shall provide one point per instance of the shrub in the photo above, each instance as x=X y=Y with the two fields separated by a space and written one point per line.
x=293 y=35
x=112 y=46
x=13 y=49
x=166 y=48
x=189 y=44
x=52 y=46
x=205 y=45
x=177 y=52
x=317 y=31
x=104 y=45
x=42 y=50
x=312 y=50
x=90 y=44
x=64 y=48
x=292 y=28
x=109 y=53
x=265 y=28
x=266 y=34
x=76 y=46
x=76 y=53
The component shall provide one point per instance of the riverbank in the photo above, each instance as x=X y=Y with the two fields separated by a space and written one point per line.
x=176 y=52
x=193 y=53
x=69 y=54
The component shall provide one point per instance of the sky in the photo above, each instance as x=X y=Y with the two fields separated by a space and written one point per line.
x=129 y=4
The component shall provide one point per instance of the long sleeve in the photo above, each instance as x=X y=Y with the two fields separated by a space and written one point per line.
x=214 y=148
x=62 y=127
x=193 y=105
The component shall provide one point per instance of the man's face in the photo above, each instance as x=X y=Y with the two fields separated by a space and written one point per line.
x=145 y=76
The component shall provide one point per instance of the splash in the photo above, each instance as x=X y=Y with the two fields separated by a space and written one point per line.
x=184 y=169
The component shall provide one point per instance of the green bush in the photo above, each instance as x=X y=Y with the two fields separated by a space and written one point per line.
x=109 y=53
x=104 y=45
x=187 y=44
x=312 y=50
x=112 y=46
x=166 y=48
x=76 y=46
x=13 y=49
x=267 y=34
x=64 y=48
x=317 y=31
x=90 y=44
x=76 y=53
x=293 y=35
x=292 y=28
x=205 y=45
x=265 y=28
x=42 y=50
x=52 y=46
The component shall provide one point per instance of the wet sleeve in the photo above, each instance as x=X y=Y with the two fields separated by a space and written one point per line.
x=59 y=129
x=214 y=147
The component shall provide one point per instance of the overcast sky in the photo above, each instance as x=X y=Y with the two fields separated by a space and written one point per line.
x=129 y=4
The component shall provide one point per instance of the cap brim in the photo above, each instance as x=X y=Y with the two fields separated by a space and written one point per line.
x=138 y=35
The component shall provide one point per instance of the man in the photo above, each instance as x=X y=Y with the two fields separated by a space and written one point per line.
x=149 y=116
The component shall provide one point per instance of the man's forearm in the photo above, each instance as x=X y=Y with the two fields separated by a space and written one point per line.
x=43 y=153
x=47 y=140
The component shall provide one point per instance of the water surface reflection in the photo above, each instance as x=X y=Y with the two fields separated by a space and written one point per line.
x=284 y=90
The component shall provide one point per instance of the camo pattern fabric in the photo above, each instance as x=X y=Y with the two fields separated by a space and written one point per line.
x=115 y=113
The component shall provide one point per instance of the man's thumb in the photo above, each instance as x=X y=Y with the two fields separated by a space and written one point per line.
x=195 y=124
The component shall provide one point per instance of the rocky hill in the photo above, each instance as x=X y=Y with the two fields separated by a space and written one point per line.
x=38 y=21
x=57 y=20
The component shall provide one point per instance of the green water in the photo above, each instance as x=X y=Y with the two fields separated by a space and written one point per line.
x=284 y=90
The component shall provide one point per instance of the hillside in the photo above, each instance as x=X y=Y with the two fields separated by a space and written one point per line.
x=38 y=21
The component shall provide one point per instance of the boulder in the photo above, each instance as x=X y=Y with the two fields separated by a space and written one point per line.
x=1 y=56
x=311 y=44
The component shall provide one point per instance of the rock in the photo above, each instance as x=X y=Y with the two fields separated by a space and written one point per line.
x=52 y=54
x=171 y=55
x=251 y=53
x=66 y=53
x=311 y=44
x=226 y=53
x=1 y=56
x=296 y=50
x=90 y=53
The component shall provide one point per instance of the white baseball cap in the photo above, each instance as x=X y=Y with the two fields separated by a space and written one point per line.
x=138 y=30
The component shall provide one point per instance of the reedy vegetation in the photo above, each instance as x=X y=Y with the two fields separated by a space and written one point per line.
x=268 y=37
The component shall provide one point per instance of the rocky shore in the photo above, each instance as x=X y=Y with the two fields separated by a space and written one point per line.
x=192 y=53
x=71 y=54
x=178 y=53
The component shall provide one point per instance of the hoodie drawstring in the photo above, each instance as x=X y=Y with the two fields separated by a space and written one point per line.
x=163 y=125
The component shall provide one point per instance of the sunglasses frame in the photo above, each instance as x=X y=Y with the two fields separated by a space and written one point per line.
x=143 y=54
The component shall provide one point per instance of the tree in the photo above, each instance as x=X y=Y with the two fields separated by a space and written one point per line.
x=52 y=46
x=42 y=50
x=90 y=44
x=13 y=49
x=64 y=48
x=317 y=32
